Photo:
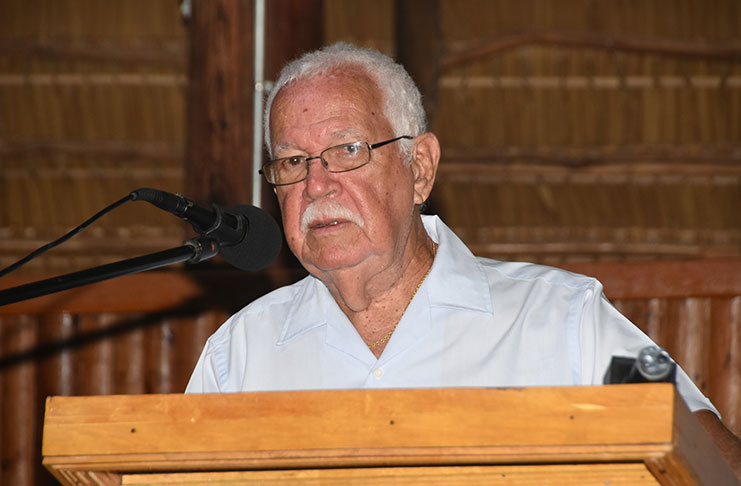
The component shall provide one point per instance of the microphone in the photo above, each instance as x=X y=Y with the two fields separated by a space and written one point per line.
x=248 y=237
x=653 y=364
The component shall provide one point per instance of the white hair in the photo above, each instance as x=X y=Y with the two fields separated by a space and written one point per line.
x=402 y=101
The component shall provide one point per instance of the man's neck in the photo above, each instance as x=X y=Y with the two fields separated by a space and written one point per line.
x=375 y=302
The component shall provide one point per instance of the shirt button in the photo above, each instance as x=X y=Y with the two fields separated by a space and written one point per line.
x=378 y=372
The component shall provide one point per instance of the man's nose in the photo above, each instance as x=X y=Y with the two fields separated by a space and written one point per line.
x=319 y=181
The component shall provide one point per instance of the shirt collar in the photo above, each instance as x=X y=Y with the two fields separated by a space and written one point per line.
x=309 y=309
x=456 y=280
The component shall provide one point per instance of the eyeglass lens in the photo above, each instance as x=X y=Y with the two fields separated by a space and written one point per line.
x=341 y=158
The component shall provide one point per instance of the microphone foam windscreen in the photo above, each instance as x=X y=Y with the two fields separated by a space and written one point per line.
x=262 y=242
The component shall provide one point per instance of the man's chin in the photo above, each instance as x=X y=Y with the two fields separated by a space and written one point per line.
x=332 y=261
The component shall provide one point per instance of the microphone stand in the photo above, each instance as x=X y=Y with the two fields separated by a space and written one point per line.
x=194 y=250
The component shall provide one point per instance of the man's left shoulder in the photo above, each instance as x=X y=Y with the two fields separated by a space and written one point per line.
x=534 y=272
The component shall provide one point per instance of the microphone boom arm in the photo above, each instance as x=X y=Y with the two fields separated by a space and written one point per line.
x=194 y=250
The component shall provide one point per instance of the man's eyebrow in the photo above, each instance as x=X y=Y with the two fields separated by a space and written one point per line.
x=284 y=146
x=341 y=134
x=350 y=132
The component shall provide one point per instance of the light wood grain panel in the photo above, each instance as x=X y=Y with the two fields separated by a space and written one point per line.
x=547 y=475
x=549 y=417
x=639 y=424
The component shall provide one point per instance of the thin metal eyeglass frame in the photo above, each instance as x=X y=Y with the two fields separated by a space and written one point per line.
x=325 y=164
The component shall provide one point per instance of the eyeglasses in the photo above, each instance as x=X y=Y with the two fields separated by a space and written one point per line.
x=340 y=158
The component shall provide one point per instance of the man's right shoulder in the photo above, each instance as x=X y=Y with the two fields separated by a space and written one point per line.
x=282 y=296
x=263 y=316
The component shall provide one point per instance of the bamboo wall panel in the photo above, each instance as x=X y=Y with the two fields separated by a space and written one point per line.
x=589 y=131
x=689 y=329
x=590 y=216
x=124 y=356
x=369 y=23
x=92 y=106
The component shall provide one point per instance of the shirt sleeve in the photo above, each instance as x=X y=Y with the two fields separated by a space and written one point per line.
x=604 y=332
x=203 y=379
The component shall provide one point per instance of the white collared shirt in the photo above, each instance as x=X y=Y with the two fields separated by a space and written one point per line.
x=474 y=322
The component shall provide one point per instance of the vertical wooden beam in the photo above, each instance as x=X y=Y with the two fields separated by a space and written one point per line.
x=725 y=360
x=292 y=27
x=220 y=100
x=419 y=46
x=219 y=131
x=20 y=415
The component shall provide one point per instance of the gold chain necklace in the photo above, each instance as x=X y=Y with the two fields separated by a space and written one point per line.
x=388 y=336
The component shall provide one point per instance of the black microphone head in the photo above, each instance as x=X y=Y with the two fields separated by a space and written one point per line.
x=261 y=244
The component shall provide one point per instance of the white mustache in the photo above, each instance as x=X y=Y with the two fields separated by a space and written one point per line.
x=328 y=210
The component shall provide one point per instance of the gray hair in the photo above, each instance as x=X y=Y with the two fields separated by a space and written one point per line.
x=402 y=100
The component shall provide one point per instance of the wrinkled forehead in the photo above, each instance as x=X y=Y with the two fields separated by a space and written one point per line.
x=349 y=81
x=327 y=95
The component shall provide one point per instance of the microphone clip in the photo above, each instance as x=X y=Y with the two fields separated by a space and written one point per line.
x=227 y=228
x=203 y=247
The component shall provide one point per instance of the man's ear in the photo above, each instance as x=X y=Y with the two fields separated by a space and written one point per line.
x=425 y=157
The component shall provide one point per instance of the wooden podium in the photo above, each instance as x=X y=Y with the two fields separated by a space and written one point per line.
x=617 y=434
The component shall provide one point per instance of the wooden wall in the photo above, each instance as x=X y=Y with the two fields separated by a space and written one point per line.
x=591 y=130
x=143 y=334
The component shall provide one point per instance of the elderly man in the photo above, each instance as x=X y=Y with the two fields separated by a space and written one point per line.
x=394 y=298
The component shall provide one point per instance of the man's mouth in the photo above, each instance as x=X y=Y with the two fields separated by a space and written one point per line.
x=324 y=225
x=327 y=214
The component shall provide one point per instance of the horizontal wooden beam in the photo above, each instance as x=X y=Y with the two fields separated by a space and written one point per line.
x=151 y=291
x=592 y=82
x=157 y=290
x=177 y=81
x=467 y=52
x=724 y=155
x=693 y=161
x=156 y=239
x=138 y=149
x=665 y=279
x=171 y=55
x=586 y=171
x=617 y=250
